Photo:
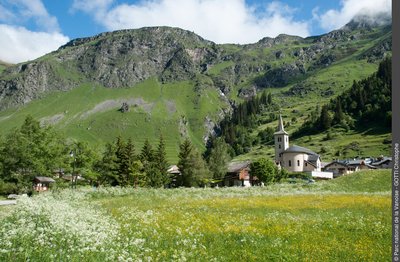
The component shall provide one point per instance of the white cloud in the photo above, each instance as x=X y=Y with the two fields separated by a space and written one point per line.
x=334 y=19
x=91 y=5
x=21 y=11
x=222 y=21
x=19 y=44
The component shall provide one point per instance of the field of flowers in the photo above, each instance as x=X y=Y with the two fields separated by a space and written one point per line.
x=288 y=222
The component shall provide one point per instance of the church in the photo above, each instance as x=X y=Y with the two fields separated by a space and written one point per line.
x=293 y=158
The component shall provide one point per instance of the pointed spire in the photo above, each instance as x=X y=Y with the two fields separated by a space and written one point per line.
x=280 y=129
x=280 y=124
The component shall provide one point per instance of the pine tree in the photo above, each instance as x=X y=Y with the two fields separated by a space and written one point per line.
x=147 y=153
x=218 y=159
x=184 y=164
x=339 y=116
x=161 y=161
x=325 y=118
x=107 y=166
x=200 y=174
x=128 y=165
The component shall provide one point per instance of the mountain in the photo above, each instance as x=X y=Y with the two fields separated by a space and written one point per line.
x=176 y=83
x=4 y=65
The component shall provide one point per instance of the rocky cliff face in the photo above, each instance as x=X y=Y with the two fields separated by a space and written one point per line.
x=125 y=58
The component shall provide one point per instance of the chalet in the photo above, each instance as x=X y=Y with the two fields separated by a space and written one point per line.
x=42 y=183
x=173 y=170
x=238 y=175
x=294 y=158
x=345 y=167
x=174 y=173
x=383 y=162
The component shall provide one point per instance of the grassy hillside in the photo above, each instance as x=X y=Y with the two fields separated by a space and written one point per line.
x=364 y=181
x=91 y=113
x=346 y=219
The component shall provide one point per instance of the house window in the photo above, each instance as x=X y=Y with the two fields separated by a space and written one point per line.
x=298 y=162
x=290 y=162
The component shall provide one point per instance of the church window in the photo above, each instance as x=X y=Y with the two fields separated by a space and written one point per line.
x=290 y=162
x=279 y=146
x=298 y=162
x=306 y=164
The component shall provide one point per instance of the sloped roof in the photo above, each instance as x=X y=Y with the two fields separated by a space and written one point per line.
x=237 y=166
x=173 y=169
x=385 y=159
x=336 y=162
x=299 y=149
x=44 y=179
x=351 y=163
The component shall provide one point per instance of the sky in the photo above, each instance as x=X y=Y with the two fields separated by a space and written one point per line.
x=32 y=28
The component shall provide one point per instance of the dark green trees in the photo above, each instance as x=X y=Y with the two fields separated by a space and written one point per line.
x=30 y=151
x=218 y=158
x=121 y=166
x=161 y=163
x=194 y=171
x=367 y=102
x=236 y=128
x=325 y=120
x=155 y=164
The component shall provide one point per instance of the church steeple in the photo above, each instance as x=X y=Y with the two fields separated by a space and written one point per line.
x=281 y=140
x=280 y=125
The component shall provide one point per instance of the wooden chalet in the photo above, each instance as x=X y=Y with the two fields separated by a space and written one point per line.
x=42 y=183
x=239 y=175
x=345 y=167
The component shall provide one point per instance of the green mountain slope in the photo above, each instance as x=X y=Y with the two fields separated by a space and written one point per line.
x=178 y=84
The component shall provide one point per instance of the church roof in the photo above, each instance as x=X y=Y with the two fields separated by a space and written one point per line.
x=280 y=130
x=299 y=149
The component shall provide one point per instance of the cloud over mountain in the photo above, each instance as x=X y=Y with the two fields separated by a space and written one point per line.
x=334 y=19
x=222 y=21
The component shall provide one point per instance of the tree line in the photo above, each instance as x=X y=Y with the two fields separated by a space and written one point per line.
x=34 y=150
x=236 y=128
x=367 y=101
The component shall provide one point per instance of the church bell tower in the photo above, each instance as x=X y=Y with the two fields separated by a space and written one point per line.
x=281 y=140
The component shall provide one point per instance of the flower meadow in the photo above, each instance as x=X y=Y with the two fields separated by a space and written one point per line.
x=276 y=223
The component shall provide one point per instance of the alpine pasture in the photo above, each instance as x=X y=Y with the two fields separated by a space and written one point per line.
x=346 y=219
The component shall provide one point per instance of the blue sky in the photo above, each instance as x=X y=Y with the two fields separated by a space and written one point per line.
x=32 y=28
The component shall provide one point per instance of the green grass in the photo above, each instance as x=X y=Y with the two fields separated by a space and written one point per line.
x=365 y=181
x=346 y=219
x=216 y=69
x=159 y=112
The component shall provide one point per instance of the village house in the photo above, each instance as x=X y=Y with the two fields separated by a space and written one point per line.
x=345 y=167
x=293 y=158
x=173 y=172
x=383 y=162
x=239 y=175
x=42 y=183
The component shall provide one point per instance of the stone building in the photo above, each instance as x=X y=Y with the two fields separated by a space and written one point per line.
x=294 y=158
